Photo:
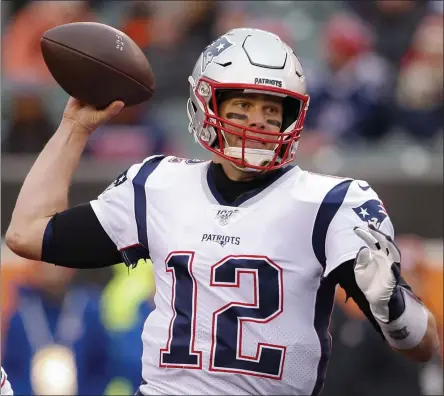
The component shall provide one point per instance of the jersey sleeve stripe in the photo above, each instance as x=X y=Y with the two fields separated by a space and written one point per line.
x=323 y=309
x=327 y=211
x=140 y=201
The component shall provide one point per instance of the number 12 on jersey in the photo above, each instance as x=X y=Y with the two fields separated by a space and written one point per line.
x=226 y=344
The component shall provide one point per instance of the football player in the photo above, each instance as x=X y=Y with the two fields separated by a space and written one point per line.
x=247 y=249
x=5 y=388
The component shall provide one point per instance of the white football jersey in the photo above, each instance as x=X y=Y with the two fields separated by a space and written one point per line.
x=242 y=299
x=6 y=388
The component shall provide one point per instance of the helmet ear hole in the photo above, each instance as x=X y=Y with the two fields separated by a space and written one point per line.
x=292 y=108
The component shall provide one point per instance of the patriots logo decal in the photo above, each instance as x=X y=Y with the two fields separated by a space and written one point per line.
x=214 y=50
x=122 y=178
x=371 y=212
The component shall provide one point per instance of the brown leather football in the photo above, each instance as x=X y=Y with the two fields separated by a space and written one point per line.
x=97 y=64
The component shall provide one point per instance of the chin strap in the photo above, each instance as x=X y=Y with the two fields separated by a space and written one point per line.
x=252 y=156
x=256 y=157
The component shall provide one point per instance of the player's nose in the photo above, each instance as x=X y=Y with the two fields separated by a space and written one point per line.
x=256 y=120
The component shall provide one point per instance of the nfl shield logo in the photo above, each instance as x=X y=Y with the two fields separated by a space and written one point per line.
x=214 y=50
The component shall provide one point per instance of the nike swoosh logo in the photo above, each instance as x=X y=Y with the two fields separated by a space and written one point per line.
x=364 y=188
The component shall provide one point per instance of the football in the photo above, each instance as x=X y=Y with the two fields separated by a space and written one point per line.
x=97 y=64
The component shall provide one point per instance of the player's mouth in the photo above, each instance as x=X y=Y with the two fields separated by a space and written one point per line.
x=254 y=144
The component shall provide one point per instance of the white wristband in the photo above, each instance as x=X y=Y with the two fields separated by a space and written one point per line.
x=409 y=329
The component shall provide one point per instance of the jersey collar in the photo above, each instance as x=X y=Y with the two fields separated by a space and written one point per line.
x=220 y=186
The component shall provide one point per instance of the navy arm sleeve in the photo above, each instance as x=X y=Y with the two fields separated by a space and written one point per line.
x=344 y=275
x=75 y=238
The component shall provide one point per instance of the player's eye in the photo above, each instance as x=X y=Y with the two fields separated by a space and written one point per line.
x=243 y=105
x=273 y=110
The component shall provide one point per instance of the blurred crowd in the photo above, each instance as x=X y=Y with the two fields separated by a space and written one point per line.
x=374 y=69
x=68 y=333
x=375 y=76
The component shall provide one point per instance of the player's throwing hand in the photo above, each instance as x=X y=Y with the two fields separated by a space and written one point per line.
x=87 y=117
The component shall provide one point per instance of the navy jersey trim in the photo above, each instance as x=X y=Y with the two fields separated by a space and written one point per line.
x=251 y=194
x=140 y=201
x=326 y=292
x=327 y=211
x=323 y=309
x=248 y=194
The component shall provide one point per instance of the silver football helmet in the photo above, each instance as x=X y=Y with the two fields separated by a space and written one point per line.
x=252 y=61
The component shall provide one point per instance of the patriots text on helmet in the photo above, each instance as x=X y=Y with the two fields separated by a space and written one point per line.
x=268 y=81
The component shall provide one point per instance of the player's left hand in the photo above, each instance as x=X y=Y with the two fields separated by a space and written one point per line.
x=377 y=273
